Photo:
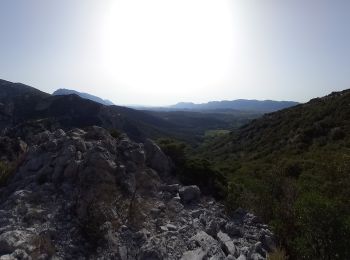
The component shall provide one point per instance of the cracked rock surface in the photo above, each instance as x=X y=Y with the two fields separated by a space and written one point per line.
x=83 y=194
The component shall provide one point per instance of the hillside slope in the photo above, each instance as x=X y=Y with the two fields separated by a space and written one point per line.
x=297 y=128
x=292 y=167
x=21 y=104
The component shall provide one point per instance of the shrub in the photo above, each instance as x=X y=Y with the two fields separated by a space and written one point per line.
x=115 y=133
x=200 y=172
x=234 y=192
x=5 y=172
x=43 y=245
x=194 y=171
x=278 y=254
x=174 y=149
x=337 y=133
x=323 y=232
x=292 y=169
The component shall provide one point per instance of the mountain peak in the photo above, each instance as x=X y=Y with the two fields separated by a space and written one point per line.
x=64 y=91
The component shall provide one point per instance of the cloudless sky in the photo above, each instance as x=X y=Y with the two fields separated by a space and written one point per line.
x=159 y=52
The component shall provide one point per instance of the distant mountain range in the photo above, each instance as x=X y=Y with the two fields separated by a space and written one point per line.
x=264 y=106
x=63 y=91
x=23 y=107
x=260 y=106
x=68 y=109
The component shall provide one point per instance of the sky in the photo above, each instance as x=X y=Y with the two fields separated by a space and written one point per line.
x=160 y=52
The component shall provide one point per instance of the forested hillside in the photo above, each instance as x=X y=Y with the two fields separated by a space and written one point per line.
x=292 y=167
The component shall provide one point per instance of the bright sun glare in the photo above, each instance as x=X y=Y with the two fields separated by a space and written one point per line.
x=160 y=47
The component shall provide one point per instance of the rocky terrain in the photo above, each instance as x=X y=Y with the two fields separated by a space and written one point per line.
x=83 y=194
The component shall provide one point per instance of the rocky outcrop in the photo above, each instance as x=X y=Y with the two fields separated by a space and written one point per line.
x=156 y=158
x=83 y=194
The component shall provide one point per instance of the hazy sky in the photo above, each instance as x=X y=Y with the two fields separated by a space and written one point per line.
x=158 y=52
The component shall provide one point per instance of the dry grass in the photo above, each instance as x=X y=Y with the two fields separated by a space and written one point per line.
x=5 y=172
x=43 y=245
x=278 y=254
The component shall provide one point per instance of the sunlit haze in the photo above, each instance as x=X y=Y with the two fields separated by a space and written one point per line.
x=160 y=52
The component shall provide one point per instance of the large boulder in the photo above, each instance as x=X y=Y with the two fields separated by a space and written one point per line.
x=197 y=254
x=156 y=159
x=227 y=244
x=190 y=194
x=209 y=247
x=17 y=254
x=12 y=240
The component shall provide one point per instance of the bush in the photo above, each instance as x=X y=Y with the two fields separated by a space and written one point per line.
x=200 y=172
x=174 y=149
x=234 y=192
x=194 y=171
x=278 y=254
x=292 y=169
x=323 y=232
x=115 y=133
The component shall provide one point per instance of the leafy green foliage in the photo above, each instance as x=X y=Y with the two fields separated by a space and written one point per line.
x=191 y=170
x=324 y=230
x=292 y=168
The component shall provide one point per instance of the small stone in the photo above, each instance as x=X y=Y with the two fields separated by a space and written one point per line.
x=212 y=228
x=161 y=206
x=256 y=256
x=123 y=228
x=258 y=248
x=230 y=257
x=123 y=253
x=266 y=232
x=155 y=212
x=268 y=243
x=42 y=257
x=163 y=228
x=183 y=229
x=242 y=257
x=171 y=227
x=196 y=223
x=177 y=199
x=196 y=213
x=59 y=133
x=244 y=250
x=196 y=254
